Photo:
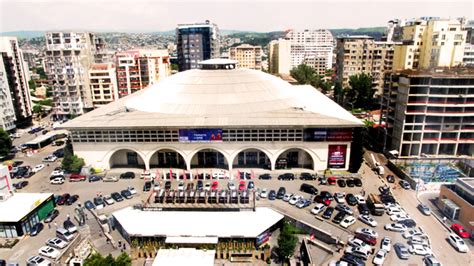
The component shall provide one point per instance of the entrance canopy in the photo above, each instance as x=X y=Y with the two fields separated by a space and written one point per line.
x=190 y=240
x=219 y=224
x=184 y=257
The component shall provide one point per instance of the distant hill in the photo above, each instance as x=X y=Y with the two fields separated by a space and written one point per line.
x=376 y=32
x=23 y=34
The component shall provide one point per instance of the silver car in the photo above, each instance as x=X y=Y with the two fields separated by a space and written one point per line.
x=402 y=251
x=424 y=209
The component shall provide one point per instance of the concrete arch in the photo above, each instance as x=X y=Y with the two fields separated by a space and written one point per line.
x=313 y=156
x=198 y=149
x=150 y=154
x=265 y=151
x=109 y=155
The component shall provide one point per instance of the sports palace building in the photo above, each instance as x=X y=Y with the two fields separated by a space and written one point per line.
x=217 y=117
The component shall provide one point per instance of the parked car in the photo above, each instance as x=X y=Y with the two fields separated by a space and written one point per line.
x=350 y=182
x=70 y=226
x=339 y=217
x=126 y=194
x=20 y=185
x=401 y=250
x=109 y=178
x=58 y=180
x=404 y=184
x=341 y=183
x=303 y=203
x=331 y=181
x=408 y=222
x=390 y=179
x=358 y=252
x=367 y=231
x=109 y=200
x=265 y=177
x=49 y=252
x=351 y=199
x=272 y=195
x=127 y=175
x=56 y=242
x=38 y=168
x=358 y=182
x=328 y=213
x=310 y=189
x=94 y=178
x=348 y=221
x=89 y=205
x=458 y=243
x=379 y=257
x=50 y=158
x=356 y=242
x=286 y=176
x=199 y=185
x=287 y=197
x=250 y=185
x=72 y=199
x=63 y=199
x=321 y=199
x=431 y=260
x=51 y=216
x=395 y=227
x=37 y=261
x=363 y=209
x=352 y=260
x=36 y=229
x=367 y=238
x=420 y=250
x=318 y=208
x=307 y=176
x=460 y=231
x=281 y=193
x=340 y=197
x=99 y=203
x=77 y=178
x=368 y=220
x=386 y=244
x=241 y=185
x=424 y=209
x=147 y=186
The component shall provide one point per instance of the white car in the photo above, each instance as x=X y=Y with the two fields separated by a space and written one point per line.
x=231 y=186
x=219 y=175
x=181 y=186
x=395 y=227
x=395 y=210
x=386 y=244
x=348 y=221
x=389 y=205
x=57 y=181
x=109 y=200
x=360 y=199
x=49 y=252
x=367 y=231
x=50 y=158
x=340 y=197
x=132 y=190
x=56 y=242
x=207 y=186
x=419 y=240
x=355 y=242
x=419 y=250
x=338 y=263
x=38 y=261
x=287 y=197
x=379 y=257
x=318 y=208
x=57 y=173
x=38 y=168
x=458 y=243
x=294 y=199
x=358 y=252
x=367 y=220
x=399 y=217
x=264 y=193
x=411 y=233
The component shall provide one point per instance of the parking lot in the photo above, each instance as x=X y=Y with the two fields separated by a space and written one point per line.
x=371 y=182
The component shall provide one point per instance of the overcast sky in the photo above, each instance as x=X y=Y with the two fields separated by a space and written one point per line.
x=256 y=15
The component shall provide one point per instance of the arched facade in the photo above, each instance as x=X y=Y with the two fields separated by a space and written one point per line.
x=167 y=157
x=127 y=158
x=295 y=157
x=252 y=157
x=209 y=157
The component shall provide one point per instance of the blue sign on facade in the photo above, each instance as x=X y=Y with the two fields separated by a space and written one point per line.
x=200 y=135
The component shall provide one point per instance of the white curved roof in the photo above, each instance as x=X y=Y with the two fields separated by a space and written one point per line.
x=238 y=97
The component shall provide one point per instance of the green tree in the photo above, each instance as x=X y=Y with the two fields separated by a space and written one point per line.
x=71 y=163
x=5 y=143
x=174 y=67
x=32 y=85
x=304 y=74
x=286 y=242
x=49 y=91
x=97 y=259
x=338 y=93
x=47 y=102
x=123 y=260
x=325 y=87
x=361 y=90
x=40 y=71
x=37 y=109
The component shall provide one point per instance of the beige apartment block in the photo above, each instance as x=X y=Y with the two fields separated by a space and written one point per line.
x=430 y=43
x=247 y=56
x=103 y=84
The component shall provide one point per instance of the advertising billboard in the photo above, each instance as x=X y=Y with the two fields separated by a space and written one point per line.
x=200 y=135
x=337 y=156
x=327 y=134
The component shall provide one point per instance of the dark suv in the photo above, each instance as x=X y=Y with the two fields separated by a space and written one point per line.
x=281 y=193
x=308 y=189
x=127 y=175
x=307 y=176
x=287 y=176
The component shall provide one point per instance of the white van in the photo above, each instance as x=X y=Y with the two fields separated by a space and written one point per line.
x=64 y=234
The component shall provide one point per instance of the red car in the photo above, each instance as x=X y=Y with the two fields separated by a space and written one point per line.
x=77 y=178
x=242 y=185
x=332 y=180
x=214 y=185
x=459 y=229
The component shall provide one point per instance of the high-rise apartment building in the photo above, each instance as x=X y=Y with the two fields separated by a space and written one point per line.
x=310 y=47
x=361 y=54
x=430 y=42
x=430 y=112
x=247 y=56
x=195 y=43
x=16 y=72
x=7 y=111
x=103 y=84
x=69 y=56
x=468 y=58
x=137 y=69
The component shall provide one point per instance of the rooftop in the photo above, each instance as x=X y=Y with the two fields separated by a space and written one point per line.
x=219 y=98
x=195 y=224
x=20 y=204
x=184 y=257
x=465 y=71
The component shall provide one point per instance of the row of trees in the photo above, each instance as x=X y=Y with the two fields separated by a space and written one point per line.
x=359 y=94
x=5 y=143
x=97 y=259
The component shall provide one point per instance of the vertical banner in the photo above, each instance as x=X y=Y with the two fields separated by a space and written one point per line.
x=337 y=156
